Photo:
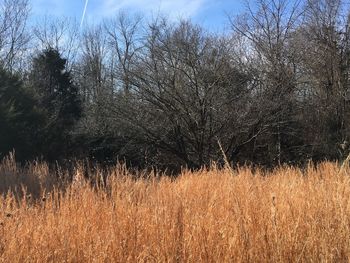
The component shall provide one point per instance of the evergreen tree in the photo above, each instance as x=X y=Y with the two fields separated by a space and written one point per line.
x=59 y=99
x=19 y=118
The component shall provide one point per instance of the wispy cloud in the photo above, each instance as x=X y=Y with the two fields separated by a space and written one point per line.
x=173 y=8
x=47 y=7
x=100 y=9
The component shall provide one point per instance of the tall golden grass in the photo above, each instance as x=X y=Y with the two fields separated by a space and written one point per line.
x=216 y=215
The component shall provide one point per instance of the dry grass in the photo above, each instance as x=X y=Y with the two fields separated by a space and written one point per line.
x=209 y=216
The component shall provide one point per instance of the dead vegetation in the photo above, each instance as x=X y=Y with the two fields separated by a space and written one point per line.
x=207 y=216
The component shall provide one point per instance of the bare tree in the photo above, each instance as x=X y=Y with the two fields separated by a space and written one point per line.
x=124 y=39
x=184 y=93
x=268 y=30
x=324 y=45
x=13 y=35
x=61 y=34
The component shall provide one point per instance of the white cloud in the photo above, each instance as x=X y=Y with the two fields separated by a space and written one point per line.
x=41 y=7
x=172 y=8
x=100 y=9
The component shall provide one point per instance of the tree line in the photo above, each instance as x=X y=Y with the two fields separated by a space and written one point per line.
x=273 y=88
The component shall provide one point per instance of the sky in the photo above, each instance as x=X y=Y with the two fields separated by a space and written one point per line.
x=209 y=13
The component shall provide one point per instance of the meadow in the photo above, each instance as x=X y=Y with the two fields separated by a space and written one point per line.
x=213 y=215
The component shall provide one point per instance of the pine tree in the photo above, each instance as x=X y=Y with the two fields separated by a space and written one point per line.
x=59 y=99
x=19 y=118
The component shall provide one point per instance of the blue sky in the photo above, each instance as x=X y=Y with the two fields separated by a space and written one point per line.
x=209 y=13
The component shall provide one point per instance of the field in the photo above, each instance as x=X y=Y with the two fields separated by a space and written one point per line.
x=216 y=215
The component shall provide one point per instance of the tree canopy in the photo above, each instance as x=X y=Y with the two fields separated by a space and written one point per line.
x=272 y=89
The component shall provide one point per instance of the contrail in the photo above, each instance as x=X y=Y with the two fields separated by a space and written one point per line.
x=84 y=12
